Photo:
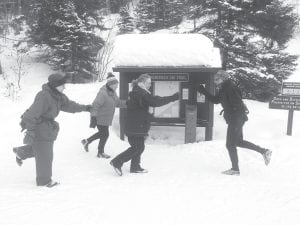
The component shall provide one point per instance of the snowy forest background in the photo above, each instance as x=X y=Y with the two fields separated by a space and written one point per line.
x=77 y=36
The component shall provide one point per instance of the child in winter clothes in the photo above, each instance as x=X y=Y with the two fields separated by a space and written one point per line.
x=42 y=129
x=102 y=114
x=235 y=114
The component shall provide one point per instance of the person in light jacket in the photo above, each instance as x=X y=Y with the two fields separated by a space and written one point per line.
x=102 y=113
x=235 y=114
x=137 y=122
x=42 y=129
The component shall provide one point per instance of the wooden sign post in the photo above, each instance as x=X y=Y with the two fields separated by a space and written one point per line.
x=288 y=100
x=290 y=122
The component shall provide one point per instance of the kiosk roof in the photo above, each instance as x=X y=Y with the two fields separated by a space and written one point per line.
x=165 y=50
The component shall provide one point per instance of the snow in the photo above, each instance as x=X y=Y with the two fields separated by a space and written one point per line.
x=184 y=185
x=167 y=50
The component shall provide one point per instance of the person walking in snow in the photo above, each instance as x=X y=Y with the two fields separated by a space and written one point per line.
x=137 y=123
x=42 y=129
x=102 y=113
x=235 y=114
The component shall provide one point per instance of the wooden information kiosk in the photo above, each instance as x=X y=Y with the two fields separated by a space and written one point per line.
x=192 y=110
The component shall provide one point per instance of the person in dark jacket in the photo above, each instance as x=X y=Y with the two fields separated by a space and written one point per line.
x=235 y=114
x=137 y=123
x=42 y=129
x=102 y=113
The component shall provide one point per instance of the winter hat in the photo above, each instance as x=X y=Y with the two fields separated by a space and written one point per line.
x=56 y=80
x=111 y=79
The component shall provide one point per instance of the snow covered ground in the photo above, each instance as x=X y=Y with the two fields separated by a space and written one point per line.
x=184 y=185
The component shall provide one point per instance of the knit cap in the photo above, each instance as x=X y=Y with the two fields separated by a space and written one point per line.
x=111 y=79
x=56 y=80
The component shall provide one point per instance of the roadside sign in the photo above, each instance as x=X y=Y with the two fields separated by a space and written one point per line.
x=285 y=102
x=288 y=100
x=290 y=88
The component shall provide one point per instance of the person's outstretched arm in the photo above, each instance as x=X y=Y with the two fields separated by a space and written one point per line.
x=213 y=98
x=156 y=101
x=73 y=107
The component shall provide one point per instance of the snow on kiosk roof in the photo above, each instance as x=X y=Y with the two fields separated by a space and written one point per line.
x=165 y=50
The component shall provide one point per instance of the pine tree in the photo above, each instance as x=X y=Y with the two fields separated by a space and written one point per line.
x=116 y=5
x=175 y=11
x=252 y=36
x=145 y=16
x=154 y=15
x=126 y=24
x=71 y=38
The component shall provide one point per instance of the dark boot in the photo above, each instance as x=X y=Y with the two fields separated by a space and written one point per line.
x=267 y=156
x=231 y=172
x=138 y=170
x=85 y=144
x=52 y=184
x=19 y=161
x=117 y=168
x=103 y=155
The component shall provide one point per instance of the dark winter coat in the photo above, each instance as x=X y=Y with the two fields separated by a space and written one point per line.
x=230 y=97
x=138 y=116
x=39 y=118
x=104 y=106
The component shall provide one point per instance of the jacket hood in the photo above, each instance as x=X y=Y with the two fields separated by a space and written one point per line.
x=52 y=91
x=138 y=90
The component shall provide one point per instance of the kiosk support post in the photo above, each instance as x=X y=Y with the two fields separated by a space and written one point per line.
x=190 y=123
x=208 y=133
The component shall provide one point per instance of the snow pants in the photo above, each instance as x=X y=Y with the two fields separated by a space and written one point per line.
x=133 y=153
x=25 y=152
x=235 y=139
x=42 y=151
x=102 y=134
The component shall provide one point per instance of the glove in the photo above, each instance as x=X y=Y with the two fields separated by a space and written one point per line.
x=29 y=138
x=88 y=108
x=93 y=122
x=175 y=96
x=201 y=89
